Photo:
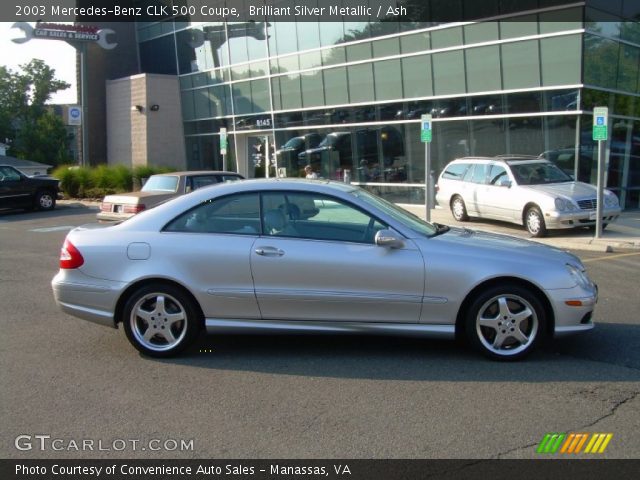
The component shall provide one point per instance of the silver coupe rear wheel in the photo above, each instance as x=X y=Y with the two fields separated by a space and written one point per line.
x=158 y=322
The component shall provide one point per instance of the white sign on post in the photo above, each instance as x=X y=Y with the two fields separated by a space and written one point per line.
x=74 y=115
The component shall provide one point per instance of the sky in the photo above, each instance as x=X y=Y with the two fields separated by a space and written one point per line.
x=57 y=54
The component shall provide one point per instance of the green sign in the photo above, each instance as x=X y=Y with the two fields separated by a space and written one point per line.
x=223 y=141
x=600 y=117
x=426 y=134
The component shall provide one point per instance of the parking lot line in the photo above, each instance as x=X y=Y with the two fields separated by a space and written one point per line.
x=52 y=229
x=610 y=257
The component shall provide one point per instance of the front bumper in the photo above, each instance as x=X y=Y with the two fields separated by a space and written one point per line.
x=573 y=309
x=580 y=218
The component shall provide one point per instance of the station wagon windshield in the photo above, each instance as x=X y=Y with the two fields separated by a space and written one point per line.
x=162 y=183
x=538 y=174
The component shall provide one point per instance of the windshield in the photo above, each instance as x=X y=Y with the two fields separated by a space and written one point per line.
x=538 y=173
x=402 y=216
x=163 y=183
x=294 y=143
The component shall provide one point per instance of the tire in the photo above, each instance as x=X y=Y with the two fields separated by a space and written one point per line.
x=161 y=320
x=505 y=322
x=45 y=200
x=459 y=209
x=534 y=222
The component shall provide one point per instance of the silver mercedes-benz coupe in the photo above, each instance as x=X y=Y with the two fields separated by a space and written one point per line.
x=307 y=256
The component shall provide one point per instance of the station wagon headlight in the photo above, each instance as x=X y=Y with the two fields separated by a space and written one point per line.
x=611 y=200
x=579 y=276
x=562 y=204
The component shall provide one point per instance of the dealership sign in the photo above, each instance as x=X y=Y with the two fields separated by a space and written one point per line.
x=69 y=33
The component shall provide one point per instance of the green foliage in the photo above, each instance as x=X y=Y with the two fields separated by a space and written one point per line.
x=34 y=132
x=83 y=182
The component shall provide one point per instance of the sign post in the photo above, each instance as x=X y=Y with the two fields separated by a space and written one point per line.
x=223 y=147
x=426 y=136
x=600 y=134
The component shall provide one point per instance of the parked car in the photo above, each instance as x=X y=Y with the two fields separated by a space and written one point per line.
x=157 y=189
x=528 y=191
x=235 y=258
x=287 y=156
x=17 y=190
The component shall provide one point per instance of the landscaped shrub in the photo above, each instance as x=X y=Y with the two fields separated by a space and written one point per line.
x=96 y=182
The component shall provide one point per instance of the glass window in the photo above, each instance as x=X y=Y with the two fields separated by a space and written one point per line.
x=359 y=51
x=497 y=174
x=333 y=56
x=310 y=60
x=448 y=37
x=417 y=42
x=480 y=172
x=235 y=214
x=388 y=81
x=284 y=38
x=163 y=183
x=360 y=84
x=316 y=217
x=200 y=181
x=600 y=61
x=522 y=26
x=242 y=98
x=260 y=96
x=159 y=56
x=188 y=109
x=561 y=60
x=202 y=103
x=449 y=73
x=525 y=136
x=312 y=89
x=480 y=32
x=331 y=33
x=628 y=68
x=483 y=69
x=559 y=20
x=335 y=86
x=386 y=47
x=455 y=171
x=416 y=76
x=521 y=65
x=474 y=9
x=488 y=137
x=308 y=35
x=291 y=94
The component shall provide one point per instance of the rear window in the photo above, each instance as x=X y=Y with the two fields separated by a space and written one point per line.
x=455 y=171
x=162 y=183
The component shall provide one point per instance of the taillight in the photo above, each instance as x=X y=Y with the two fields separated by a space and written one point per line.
x=134 y=208
x=106 y=207
x=70 y=257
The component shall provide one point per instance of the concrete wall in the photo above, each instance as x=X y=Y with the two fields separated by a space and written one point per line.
x=144 y=136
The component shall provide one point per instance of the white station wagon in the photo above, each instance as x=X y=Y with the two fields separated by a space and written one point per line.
x=528 y=191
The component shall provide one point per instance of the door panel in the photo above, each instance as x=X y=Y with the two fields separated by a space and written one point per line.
x=301 y=279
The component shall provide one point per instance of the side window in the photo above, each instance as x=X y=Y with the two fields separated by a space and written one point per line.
x=229 y=178
x=497 y=173
x=316 y=217
x=479 y=173
x=202 y=181
x=455 y=171
x=469 y=173
x=8 y=174
x=235 y=214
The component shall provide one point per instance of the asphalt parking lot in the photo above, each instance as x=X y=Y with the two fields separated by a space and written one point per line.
x=293 y=397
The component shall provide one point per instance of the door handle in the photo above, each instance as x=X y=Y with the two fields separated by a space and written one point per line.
x=269 y=251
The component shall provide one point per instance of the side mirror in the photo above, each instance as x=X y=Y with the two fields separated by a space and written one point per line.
x=388 y=239
x=504 y=182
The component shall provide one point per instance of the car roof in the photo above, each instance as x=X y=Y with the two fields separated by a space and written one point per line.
x=197 y=172
x=503 y=158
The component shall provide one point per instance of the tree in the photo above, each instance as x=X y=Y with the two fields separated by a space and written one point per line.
x=33 y=132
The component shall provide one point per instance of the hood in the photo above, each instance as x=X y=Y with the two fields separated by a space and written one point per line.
x=494 y=245
x=568 y=189
x=148 y=198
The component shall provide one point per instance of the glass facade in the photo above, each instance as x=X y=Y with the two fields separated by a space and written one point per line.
x=352 y=93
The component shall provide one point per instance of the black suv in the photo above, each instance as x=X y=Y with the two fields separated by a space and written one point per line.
x=19 y=191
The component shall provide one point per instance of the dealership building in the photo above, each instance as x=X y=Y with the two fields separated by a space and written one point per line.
x=518 y=77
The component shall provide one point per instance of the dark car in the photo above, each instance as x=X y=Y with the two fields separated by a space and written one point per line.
x=17 y=190
x=287 y=156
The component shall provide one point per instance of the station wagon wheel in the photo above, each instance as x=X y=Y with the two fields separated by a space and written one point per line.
x=459 y=209
x=534 y=221
x=45 y=200
x=161 y=320
x=505 y=323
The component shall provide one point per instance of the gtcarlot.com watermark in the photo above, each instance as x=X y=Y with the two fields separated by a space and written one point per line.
x=43 y=443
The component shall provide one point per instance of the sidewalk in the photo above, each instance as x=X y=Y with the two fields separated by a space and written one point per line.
x=621 y=235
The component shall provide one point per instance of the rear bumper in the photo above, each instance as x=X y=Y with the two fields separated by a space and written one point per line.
x=109 y=216
x=86 y=297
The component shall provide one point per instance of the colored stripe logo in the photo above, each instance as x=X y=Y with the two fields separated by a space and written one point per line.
x=573 y=443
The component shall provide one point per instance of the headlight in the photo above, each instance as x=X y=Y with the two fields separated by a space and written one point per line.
x=611 y=200
x=579 y=276
x=563 y=204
